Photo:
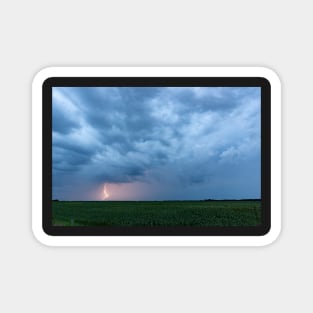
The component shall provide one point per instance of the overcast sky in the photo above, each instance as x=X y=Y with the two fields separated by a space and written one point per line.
x=150 y=143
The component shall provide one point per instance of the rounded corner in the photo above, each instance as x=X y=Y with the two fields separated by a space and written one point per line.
x=42 y=76
x=271 y=236
x=41 y=73
x=41 y=236
x=270 y=75
x=266 y=229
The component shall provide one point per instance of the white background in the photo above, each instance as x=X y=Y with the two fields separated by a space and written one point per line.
x=36 y=34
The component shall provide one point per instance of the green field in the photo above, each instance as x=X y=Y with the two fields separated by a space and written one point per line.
x=156 y=213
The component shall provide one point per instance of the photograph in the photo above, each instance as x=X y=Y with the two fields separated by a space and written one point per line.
x=156 y=156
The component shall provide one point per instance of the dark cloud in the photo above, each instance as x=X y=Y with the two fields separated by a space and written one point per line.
x=61 y=124
x=180 y=142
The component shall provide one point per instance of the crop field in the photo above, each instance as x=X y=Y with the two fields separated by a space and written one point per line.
x=156 y=213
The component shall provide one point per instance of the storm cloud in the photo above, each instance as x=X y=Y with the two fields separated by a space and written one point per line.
x=167 y=142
